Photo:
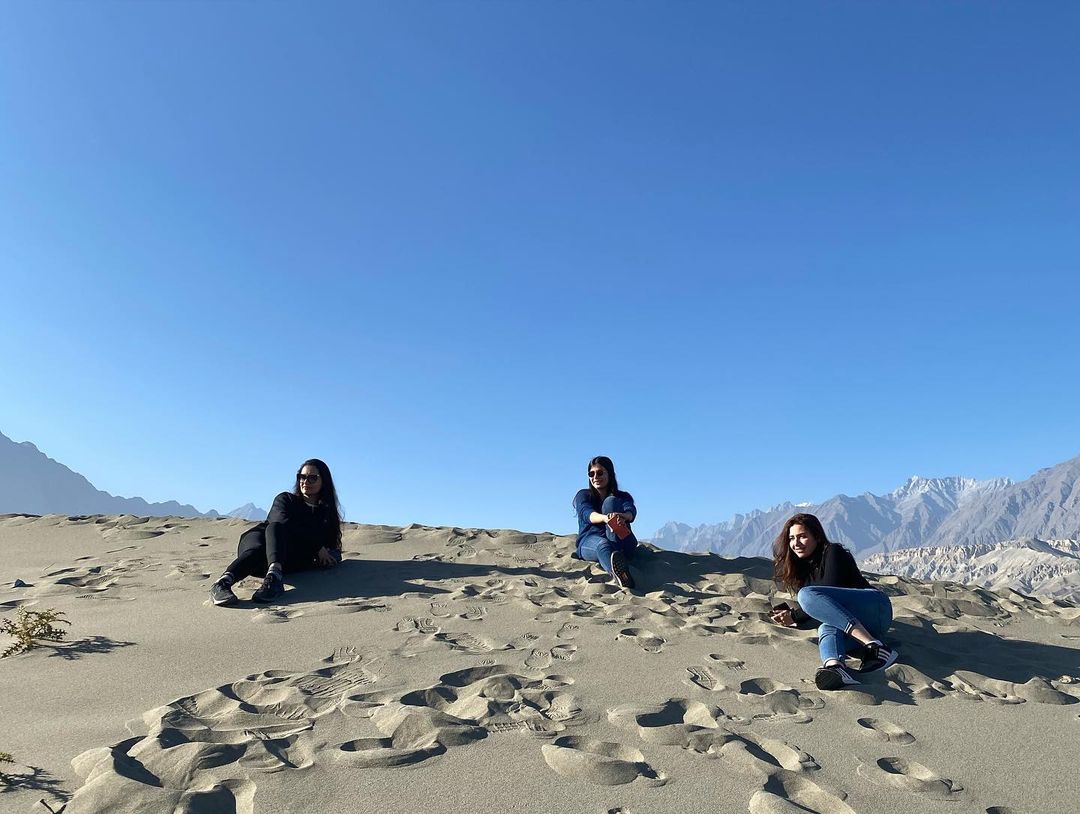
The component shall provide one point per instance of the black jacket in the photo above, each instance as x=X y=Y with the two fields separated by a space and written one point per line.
x=833 y=567
x=314 y=526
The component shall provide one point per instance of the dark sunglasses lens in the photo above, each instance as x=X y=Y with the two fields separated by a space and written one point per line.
x=308 y=478
x=596 y=473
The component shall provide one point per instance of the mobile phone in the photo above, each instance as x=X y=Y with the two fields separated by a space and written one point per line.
x=783 y=606
x=618 y=525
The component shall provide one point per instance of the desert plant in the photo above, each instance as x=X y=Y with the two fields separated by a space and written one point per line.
x=30 y=628
x=5 y=758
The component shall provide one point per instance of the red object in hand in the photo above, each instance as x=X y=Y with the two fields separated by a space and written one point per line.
x=618 y=525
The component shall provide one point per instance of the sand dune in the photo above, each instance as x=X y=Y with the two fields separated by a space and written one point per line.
x=452 y=670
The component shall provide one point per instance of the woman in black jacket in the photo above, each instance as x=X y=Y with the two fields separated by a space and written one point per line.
x=829 y=588
x=302 y=530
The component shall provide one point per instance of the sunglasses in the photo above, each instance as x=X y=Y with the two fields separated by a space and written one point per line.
x=307 y=478
x=596 y=473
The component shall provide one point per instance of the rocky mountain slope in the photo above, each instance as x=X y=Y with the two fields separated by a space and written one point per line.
x=922 y=512
x=1044 y=568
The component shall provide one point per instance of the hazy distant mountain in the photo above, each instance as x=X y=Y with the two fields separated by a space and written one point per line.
x=249 y=511
x=922 y=512
x=1034 y=567
x=33 y=483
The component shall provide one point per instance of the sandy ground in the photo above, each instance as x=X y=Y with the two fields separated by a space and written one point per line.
x=461 y=670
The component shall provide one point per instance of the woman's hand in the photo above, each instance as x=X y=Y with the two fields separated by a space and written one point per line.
x=626 y=516
x=782 y=617
x=326 y=559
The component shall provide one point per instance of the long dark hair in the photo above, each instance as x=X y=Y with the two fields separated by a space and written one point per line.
x=788 y=570
x=613 y=484
x=327 y=494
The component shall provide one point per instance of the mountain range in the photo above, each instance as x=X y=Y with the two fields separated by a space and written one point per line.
x=33 y=483
x=1047 y=568
x=922 y=512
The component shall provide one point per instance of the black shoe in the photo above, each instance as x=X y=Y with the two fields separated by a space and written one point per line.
x=272 y=587
x=876 y=656
x=620 y=572
x=835 y=677
x=222 y=594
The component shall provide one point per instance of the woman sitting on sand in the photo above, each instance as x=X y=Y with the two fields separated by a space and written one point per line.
x=830 y=589
x=303 y=530
x=604 y=516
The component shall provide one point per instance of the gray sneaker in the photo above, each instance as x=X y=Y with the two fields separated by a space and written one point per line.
x=272 y=587
x=620 y=571
x=222 y=594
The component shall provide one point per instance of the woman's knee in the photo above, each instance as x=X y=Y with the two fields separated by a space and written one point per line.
x=808 y=593
x=611 y=504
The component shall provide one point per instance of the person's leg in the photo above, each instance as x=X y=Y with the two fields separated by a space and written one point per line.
x=250 y=556
x=250 y=561
x=597 y=548
x=879 y=623
x=278 y=542
x=612 y=503
x=831 y=644
x=842 y=608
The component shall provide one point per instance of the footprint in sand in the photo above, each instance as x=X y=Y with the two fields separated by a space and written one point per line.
x=703 y=677
x=561 y=707
x=885 y=731
x=408 y=624
x=733 y=664
x=791 y=793
x=778 y=701
x=907 y=775
x=538 y=659
x=440 y=610
x=382 y=753
x=649 y=641
x=567 y=631
x=670 y=723
x=465 y=643
x=473 y=612
x=1037 y=690
x=563 y=652
x=274 y=616
x=359 y=606
x=601 y=762
x=753 y=755
x=523 y=640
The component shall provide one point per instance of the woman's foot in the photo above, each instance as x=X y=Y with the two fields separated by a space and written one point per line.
x=877 y=656
x=834 y=677
x=272 y=587
x=221 y=593
x=620 y=571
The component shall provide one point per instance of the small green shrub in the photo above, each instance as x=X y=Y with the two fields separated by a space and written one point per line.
x=30 y=628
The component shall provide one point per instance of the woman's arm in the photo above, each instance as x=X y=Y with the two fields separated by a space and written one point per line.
x=279 y=511
x=584 y=510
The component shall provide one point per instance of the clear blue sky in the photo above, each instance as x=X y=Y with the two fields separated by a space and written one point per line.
x=752 y=251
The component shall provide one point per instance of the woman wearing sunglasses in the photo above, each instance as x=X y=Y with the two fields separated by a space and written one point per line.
x=303 y=530
x=851 y=614
x=604 y=516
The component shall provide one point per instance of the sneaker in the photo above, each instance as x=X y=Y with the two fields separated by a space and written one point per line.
x=222 y=594
x=876 y=656
x=835 y=677
x=272 y=587
x=620 y=572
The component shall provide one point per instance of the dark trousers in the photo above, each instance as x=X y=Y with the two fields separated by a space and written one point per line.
x=268 y=543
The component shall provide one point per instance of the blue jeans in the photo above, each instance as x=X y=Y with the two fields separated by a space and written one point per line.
x=601 y=541
x=840 y=609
